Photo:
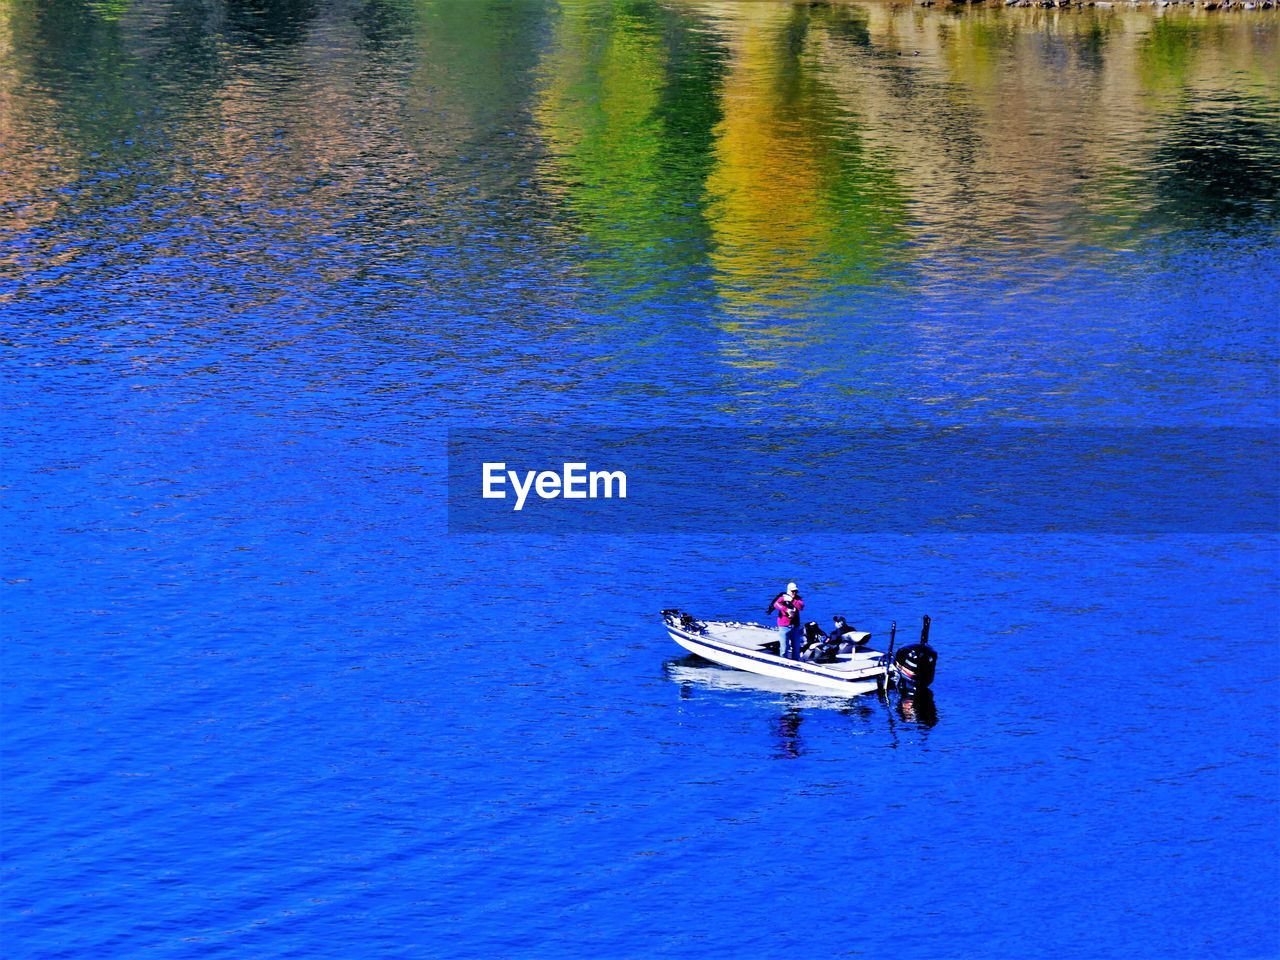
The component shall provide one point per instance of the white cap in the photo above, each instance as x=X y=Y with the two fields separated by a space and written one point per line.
x=792 y=588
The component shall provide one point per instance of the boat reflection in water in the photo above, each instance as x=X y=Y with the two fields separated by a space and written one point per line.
x=693 y=673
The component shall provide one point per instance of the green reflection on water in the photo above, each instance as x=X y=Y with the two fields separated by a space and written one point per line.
x=629 y=98
x=1167 y=54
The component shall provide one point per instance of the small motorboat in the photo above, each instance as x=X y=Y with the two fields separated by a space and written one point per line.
x=754 y=647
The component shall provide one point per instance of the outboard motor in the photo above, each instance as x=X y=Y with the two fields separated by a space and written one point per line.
x=915 y=664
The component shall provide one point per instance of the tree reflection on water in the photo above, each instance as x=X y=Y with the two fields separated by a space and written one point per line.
x=751 y=161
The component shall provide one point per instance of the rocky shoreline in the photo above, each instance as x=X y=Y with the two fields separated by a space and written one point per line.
x=1206 y=5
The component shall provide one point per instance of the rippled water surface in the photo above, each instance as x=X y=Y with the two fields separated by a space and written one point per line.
x=257 y=258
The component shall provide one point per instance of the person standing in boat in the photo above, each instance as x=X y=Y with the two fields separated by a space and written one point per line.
x=789 y=604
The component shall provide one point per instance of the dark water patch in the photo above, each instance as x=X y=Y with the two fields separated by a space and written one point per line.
x=1218 y=167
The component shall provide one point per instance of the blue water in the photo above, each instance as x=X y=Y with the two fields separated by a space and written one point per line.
x=260 y=699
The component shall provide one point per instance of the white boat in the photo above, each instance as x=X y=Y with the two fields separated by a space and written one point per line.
x=753 y=647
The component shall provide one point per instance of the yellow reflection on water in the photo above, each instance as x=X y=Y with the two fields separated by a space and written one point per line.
x=795 y=200
x=686 y=139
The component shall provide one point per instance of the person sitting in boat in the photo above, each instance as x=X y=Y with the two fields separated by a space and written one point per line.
x=817 y=644
x=840 y=635
x=788 y=606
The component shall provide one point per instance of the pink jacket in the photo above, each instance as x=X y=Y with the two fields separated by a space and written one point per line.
x=786 y=619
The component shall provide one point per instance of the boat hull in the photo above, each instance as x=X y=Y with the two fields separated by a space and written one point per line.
x=848 y=682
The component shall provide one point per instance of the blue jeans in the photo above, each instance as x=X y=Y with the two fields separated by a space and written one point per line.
x=789 y=642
